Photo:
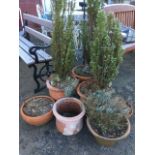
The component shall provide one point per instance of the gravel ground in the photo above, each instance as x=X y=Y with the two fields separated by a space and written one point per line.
x=46 y=140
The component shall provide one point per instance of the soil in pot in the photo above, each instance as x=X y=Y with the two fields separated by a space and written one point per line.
x=83 y=71
x=37 y=107
x=112 y=132
x=68 y=84
x=55 y=81
x=89 y=88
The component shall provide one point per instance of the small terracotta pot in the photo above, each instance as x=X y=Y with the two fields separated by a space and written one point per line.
x=83 y=84
x=108 y=141
x=69 y=114
x=36 y=120
x=54 y=92
x=81 y=78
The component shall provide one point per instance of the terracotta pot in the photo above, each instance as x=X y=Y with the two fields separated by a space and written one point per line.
x=108 y=141
x=131 y=109
x=36 y=120
x=54 y=92
x=83 y=84
x=81 y=78
x=69 y=114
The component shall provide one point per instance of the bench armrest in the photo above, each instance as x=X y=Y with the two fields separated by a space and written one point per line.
x=34 y=49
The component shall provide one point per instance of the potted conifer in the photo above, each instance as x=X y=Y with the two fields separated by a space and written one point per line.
x=107 y=117
x=106 y=53
x=61 y=84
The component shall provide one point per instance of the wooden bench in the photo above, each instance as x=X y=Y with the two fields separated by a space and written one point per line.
x=32 y=54
x=125 y=13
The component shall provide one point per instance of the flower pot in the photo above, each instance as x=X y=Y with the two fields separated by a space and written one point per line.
x=80 y=77
x=54 y=92
x=131 y=109
x=36 y=120
x=83 y=84
x=69 y=114
x=107 y=141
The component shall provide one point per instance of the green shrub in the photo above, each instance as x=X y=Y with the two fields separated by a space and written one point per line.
x=62 y=40
x=106 y=112
x=105 y=49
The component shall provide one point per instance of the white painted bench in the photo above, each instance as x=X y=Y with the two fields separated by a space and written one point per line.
x=33 y=54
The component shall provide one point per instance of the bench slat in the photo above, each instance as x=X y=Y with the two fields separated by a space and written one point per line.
x=38 y=35
x=30 y=44
x=41 y=53
x=26 y=49
x=128 y=47
x=34 y=19
x=25 y=57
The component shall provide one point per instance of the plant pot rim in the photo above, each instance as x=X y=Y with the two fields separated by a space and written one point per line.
x=80 y=76
x=106 y=138
x=49 y=86
x=81 y=85
x=131 y=107
x=27 y=100
x=77 y=117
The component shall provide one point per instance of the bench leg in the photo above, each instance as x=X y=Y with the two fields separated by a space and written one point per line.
x=45 y=71
x=35 y=77
x=40 y=75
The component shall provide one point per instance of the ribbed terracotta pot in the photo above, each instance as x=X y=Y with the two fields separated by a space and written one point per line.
x=54 y=92
x=108 y=142
x=83 y=84
x=81 y=78
x=37 y=120
x=69 y=114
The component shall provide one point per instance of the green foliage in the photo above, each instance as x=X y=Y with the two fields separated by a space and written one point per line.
x=102 y=44
x=62 y=39
x=88 y=28
x=105 y=49
x=68 y=84
x=70 y=88
x=106 y=112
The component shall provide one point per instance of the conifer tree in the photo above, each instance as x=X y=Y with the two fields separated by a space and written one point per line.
x=62 y=39
x=105 y=49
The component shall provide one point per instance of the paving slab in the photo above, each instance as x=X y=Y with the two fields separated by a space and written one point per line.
x=46 y=140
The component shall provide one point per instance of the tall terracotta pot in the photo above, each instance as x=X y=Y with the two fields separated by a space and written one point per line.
x=69 y=114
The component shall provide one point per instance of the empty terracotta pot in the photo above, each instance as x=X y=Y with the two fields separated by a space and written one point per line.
x=107 y=141
x=36 y=120
x=69 y=114
x=54 y=92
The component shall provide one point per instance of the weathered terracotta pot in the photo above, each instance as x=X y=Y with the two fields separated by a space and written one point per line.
x=83 y=84
x=69 y=114
x=131 y=109
x=37 y=120
x=108 y=141
x=81 y=78
x=54 y=92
